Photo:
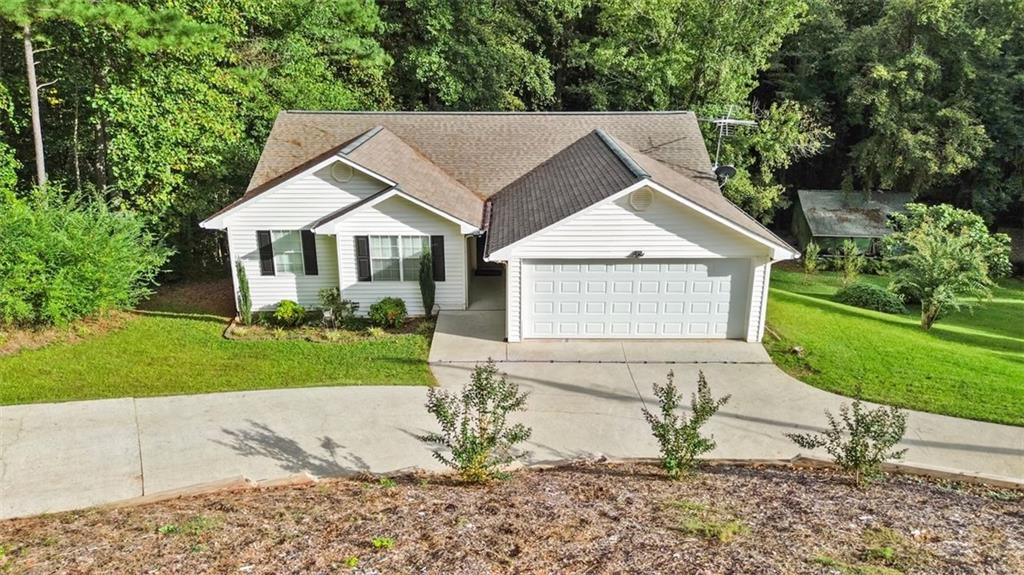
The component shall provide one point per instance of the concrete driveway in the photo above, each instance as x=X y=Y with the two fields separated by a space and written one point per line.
x=64 y=456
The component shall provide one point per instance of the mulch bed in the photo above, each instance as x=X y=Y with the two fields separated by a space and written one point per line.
x=585 y=518
x=317 y=334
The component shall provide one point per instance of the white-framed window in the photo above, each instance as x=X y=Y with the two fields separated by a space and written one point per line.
x=287 y=246
x=397 y=258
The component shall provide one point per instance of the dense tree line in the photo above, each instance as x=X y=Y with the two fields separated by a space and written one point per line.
x=162 y=107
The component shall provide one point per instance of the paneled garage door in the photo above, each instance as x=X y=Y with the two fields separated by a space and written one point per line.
x=635 y=299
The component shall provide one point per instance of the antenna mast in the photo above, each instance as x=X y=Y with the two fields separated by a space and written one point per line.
x=727 y=126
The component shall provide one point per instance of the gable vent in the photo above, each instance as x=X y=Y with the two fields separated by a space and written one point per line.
x=341 y=172
x=641 y=199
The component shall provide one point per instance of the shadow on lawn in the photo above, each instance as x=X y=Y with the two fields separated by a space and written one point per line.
x=993 y=342
x=260 y=440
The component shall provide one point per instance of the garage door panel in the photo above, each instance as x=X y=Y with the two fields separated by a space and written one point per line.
x=623 y=299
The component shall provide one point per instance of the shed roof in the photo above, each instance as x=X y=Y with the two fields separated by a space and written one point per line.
x=838 y=214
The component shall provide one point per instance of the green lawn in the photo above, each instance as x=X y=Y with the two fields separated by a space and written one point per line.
x=167 y=353
x=971 y=364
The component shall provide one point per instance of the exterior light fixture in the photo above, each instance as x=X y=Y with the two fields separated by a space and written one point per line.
x=636 y=254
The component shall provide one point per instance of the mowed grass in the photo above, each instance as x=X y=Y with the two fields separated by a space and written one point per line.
x=971 y=363
x=169 y=352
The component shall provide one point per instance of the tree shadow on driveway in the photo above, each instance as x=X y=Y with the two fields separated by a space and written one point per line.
x=260 y=440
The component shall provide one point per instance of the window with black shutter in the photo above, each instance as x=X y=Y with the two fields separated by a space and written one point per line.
x=437 y=255
x=266 y=252
x=363 y=258
x=309 y=253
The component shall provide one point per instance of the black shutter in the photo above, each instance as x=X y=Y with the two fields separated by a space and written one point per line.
x=363 y=257
x=266 y=253
x=437 y=254
x=309 y=253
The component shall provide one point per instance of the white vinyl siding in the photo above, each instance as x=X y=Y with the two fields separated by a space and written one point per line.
x=400 y=217
x=513 y=300
x=760 y=274
x=667 y=233
x=296 y=205
x=612 y=230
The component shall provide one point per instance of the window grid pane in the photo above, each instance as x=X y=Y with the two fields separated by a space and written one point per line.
x=396 y=258
x=384 y=262
x=287 y=246
x=412 y=249
x=384 y=270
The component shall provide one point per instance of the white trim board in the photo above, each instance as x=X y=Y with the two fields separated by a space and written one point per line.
x=331 y=227
x=217 y=222
x=778 y=252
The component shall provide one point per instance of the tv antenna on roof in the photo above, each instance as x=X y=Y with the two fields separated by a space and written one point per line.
x=727 y=126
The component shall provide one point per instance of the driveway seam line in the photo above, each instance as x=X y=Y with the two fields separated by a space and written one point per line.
x=138 y=443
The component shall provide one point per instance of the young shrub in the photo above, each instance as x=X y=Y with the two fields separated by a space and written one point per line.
x=851 y=261
x=342 y=312
x=941 y=255
x=476 y=438
x=810 y=260
x=427 y=287
x=870 y=296
x=678 y=435
x=244 y=297
x=66 y=257
x=860 y=440
x=388 y=312
x=877 y=266
x=289 y=313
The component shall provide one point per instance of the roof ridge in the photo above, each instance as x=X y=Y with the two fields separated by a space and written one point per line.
x=621 y=154
x=360 y=140
x=429 y=160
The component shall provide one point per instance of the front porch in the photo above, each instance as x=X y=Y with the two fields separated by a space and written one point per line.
x=486 y=293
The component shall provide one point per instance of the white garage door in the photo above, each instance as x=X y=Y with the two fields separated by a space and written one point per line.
x=635 y=299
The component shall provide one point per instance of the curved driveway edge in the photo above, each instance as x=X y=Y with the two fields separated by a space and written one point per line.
x=70 y=455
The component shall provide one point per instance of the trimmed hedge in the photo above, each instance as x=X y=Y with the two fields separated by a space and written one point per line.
x=870 y=296
x=62 y=258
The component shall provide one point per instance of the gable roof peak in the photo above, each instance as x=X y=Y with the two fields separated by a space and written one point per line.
x=621 y=154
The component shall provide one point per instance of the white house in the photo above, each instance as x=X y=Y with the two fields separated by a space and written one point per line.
x=604 y=225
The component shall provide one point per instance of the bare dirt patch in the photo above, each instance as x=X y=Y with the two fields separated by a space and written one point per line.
x=210 y=296
x=576 y=519
x=13 y=340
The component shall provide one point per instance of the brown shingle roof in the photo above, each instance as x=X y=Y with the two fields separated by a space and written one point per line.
x=552 y=164
x=385 y=153
x=712 y=201
x=591 y=169
x=487 y=151
x=584 y=173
